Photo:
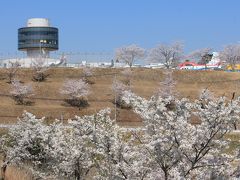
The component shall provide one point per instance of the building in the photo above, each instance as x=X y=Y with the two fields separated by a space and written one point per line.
x=155 y=66
x=214 y=63
x=37 y=39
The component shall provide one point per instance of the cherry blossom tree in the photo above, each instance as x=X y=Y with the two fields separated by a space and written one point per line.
x=53 y=150
x=68 y=151
x=129 y=54
x=40 y=67
x=27 y=143
x=76 y=91
x=91 y=143
x=169 y=54
x=231 y=55
x=71 y=148
x=168 y=85
x=112 y=149
x=168 y=146
x=176 y=148
x=20 y=92
x=235 y=113
x=127 y=74
x=118 y=90
x=87 y=75
x=12 y=70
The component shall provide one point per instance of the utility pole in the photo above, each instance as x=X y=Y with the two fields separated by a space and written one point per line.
x=115 y=100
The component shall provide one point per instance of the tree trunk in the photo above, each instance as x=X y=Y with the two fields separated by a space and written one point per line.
x=130 y=64
x=77 y=173
x=4 y=167
x=235 y=125
x=165 y=174
x=10 y=77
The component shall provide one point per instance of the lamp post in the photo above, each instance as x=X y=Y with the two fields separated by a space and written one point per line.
x=42 y=53
x=40 y=46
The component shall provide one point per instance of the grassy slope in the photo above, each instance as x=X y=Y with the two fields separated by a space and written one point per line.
x=145 y=83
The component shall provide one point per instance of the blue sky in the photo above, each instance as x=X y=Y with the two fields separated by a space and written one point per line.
x=103 y=25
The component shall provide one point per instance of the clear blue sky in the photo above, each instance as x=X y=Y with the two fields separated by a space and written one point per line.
x=103 y=25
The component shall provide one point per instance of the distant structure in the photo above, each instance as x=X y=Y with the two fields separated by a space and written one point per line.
x=214 y=63
x=38 y=38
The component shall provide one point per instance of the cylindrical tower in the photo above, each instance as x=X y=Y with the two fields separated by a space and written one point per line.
x=38 y=38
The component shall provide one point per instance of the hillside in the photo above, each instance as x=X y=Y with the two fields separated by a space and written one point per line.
x=49 y=102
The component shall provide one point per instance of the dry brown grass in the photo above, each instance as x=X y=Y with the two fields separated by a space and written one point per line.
x=15 y=173
x=145 y=83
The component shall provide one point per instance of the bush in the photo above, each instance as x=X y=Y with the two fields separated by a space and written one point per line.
x=77 y=102
x=40 y=76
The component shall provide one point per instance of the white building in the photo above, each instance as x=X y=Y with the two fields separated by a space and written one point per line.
x=37 y=39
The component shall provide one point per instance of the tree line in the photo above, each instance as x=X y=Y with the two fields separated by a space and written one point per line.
x=172 y=54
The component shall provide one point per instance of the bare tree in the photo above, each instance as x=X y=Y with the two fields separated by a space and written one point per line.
x=40 y=69
x=12 y=70
x=231 y=55
x=201 y=56
x=20 y=92
x=77 y=91
x=128 y=54
x=169 y=54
